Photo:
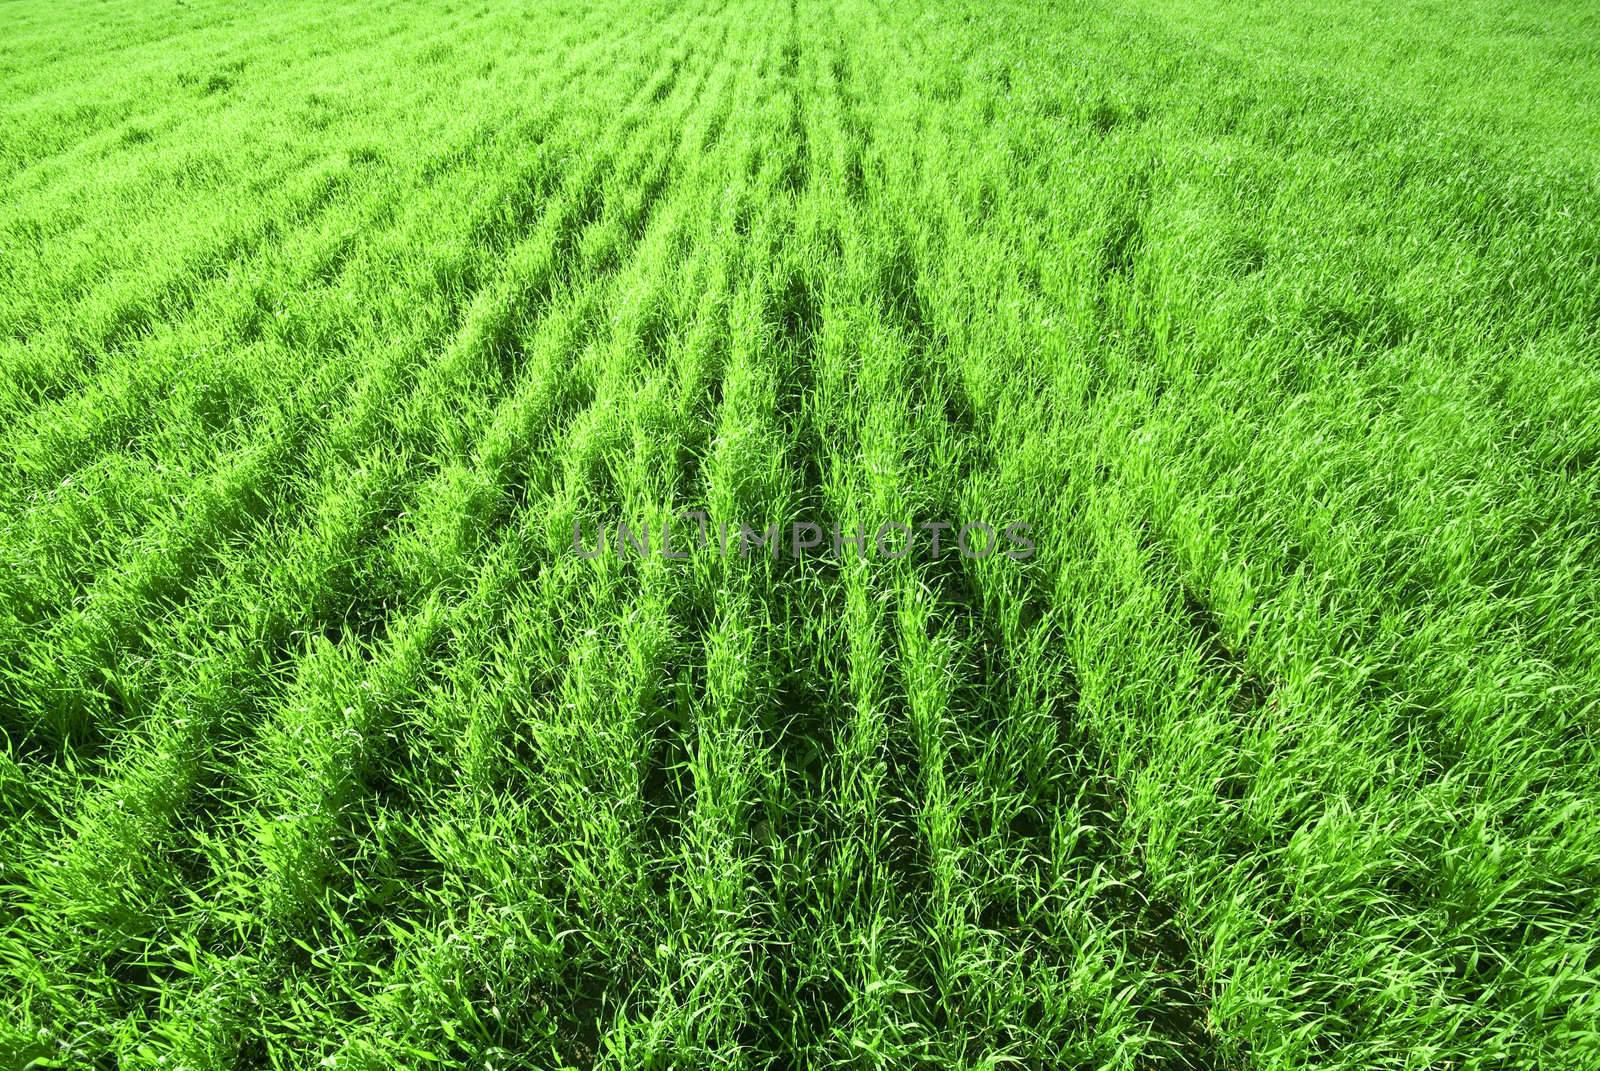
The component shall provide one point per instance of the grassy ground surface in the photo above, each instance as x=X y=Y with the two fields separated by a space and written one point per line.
x=323 y=326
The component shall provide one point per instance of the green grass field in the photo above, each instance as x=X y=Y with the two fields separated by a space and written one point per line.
x=325 y=328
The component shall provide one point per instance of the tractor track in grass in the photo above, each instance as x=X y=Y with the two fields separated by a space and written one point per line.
x=322 y=746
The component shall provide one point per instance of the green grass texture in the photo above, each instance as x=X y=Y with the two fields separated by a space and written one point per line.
x=324 y=327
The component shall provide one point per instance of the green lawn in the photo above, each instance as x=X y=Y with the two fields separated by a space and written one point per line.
x=1273 y=327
